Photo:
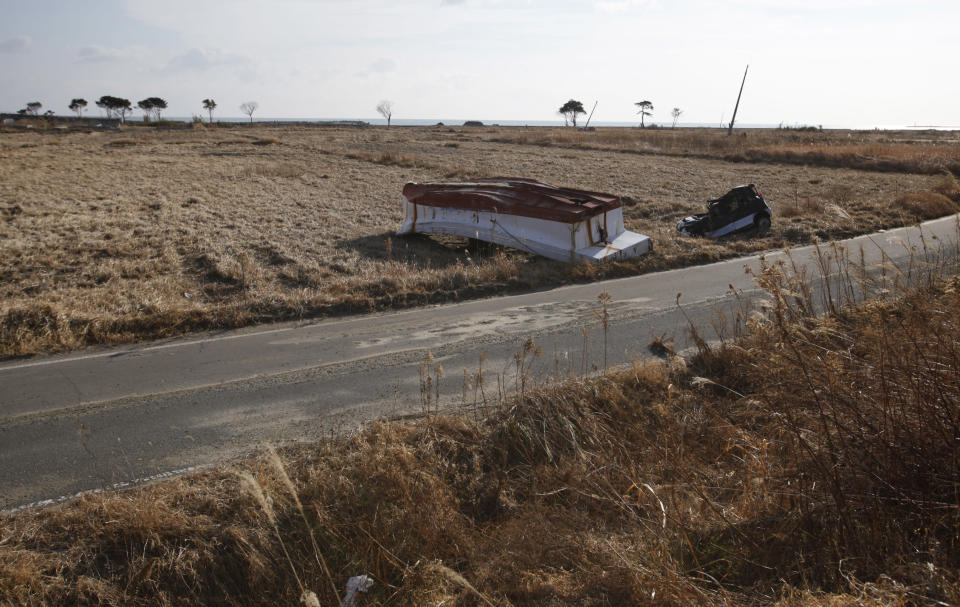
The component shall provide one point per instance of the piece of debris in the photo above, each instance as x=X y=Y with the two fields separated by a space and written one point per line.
x=742 y=208
x=560 y=223
x=358 y=583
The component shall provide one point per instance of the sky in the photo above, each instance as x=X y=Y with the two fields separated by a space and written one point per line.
x=845 y=63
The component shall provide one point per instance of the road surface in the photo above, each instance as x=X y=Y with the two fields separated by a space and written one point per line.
x=105 y=418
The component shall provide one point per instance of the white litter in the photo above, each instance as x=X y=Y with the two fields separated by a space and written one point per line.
x=358 y=583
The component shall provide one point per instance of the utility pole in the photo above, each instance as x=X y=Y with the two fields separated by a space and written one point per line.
x=734 y=119
x=591 y=114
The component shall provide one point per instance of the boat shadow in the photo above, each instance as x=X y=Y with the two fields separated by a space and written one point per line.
x=434 y=250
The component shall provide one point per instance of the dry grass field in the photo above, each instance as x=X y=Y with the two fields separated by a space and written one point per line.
x=109 y=237
x=813 y=462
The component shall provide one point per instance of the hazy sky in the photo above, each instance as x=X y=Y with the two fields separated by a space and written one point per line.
x=832 y=62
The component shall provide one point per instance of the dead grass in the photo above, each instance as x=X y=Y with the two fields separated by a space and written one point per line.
x=99 y=245
x=266 y=141
x=925 y=205
x=812 y=462
x=279 y=170
x=928 y=152
x=948 y=187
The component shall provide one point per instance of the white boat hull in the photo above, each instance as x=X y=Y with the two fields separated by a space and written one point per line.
x=599 y=238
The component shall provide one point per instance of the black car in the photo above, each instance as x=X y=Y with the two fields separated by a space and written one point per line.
x=742 y=208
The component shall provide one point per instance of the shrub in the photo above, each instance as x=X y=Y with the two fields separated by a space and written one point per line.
x=948 y=186
x=925 y=205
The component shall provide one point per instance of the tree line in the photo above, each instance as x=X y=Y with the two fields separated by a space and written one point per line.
x=120 y=108
x=572 y=108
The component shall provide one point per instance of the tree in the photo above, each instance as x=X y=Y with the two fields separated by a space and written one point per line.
x=158 y=106
x=210 y=105
x=147 y=106
x=115 y=106
x=152 y=105
x=646 y=109
x=569 y=111
x=248 y=108
x=78 y=105
x=675 y=112
x=33 y=108
x=385 y=108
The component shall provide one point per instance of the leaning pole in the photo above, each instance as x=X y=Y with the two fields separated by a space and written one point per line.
x=734 y=119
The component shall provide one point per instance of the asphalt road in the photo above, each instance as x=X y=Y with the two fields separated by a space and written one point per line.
x=105 y=418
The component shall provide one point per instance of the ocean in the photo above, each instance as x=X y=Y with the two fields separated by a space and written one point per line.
x=558 y=123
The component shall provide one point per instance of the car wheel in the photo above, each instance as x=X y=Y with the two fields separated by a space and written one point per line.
x=763 y=225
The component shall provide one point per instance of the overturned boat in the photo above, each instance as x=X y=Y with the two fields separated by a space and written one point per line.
x=560 y=223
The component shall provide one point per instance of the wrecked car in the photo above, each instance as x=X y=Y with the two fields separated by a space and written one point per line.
x=741 y=209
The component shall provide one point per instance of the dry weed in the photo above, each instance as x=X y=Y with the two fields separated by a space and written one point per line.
x=925 y=205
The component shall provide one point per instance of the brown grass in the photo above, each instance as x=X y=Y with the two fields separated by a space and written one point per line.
x=925 y=205
x=948 y=187
x=266 y=141
x=186 y=231
x=927 y=152
x=812 y=462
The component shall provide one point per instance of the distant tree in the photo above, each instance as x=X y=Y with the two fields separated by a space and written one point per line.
x=33 y=108
x=646 y=109
x=122 y=108
x=158 y=106
x=147 y=106
x=569 y=111
x=210 y=105
x=385 y=108
x=115 y=106
x=49 y=114
x=78 y=105
x=675 y=112
x=248 y=108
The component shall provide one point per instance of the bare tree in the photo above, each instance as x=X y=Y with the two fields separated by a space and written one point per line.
x=248 y=108
x=210 y=105
x=646 y=109
x=675 y=112
x=78 y=105
x=385 y=108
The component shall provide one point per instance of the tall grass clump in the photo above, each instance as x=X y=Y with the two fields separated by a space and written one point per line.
x=862 y=411
x=925 y=205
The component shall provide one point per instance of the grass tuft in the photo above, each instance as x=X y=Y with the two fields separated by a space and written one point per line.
x=925 y=205
x=265 y=141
